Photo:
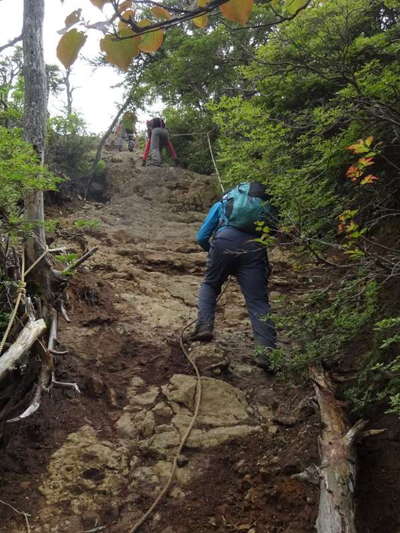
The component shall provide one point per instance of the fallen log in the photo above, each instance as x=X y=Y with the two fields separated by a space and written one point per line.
x=31 y=332
x=338 y=460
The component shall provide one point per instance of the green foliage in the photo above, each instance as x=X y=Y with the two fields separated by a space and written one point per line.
x=316 y=91
x=189 y=128
x=100 y=169
x=67 y=259
x=324 y=325
x=380 y=379
x=70 y=148
x=20 y=172
x=87 y=224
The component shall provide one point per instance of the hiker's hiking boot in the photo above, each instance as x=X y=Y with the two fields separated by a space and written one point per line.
x=202 y=332
x=262 y=361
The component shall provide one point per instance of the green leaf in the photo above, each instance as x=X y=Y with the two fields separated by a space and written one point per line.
x=292 y=6
x=202 y=20
x=69 y=46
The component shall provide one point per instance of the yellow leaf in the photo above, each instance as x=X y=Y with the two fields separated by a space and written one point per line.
x=201 y=22
x=73 y=18
x=151 y=41
x=120 y=52
x=125 y=5
x=161 y=12
x=368 y=179
x=127 y=16
x=99 y=3
x=237 y=10
x=69 y=46
x=292 y=6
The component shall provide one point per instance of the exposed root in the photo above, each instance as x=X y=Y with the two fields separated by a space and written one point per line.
x=25 y=515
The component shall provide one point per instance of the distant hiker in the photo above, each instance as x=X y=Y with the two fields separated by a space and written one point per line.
x=157 y=139
x=233 y=251
x=126 y=129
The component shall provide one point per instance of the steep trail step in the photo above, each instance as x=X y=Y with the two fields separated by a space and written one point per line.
x=98 y=460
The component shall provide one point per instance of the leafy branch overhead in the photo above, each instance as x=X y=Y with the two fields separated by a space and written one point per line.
x=134 y=27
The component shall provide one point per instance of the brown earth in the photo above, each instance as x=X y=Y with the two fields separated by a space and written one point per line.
x=94 y=461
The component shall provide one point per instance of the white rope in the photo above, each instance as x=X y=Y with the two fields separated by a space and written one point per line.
x=214 y=162
x=209 y=147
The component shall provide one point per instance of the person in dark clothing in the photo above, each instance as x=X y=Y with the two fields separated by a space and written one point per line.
x=234 y=252
x=157 y=139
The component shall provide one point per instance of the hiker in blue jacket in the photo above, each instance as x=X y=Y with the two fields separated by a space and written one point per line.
x=233 y=251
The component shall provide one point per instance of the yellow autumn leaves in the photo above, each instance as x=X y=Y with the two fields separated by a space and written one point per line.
x=124 y=44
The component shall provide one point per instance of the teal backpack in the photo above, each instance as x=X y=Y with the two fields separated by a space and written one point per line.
x=247 y=204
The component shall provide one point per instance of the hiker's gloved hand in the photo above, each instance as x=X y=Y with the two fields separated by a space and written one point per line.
x=143 y=163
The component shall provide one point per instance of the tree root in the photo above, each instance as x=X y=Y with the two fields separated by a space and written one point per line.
x=25 y=515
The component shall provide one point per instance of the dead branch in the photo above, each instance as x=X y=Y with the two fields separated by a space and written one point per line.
x=79 y=261
x=50 y=347
x=35 y=403
x=64 y=312
x=371 y=433
x=13 y=42
x=58 y=352
x=310 y=474
x=53 y=330
x=338 y=461
x=44 y=379
x=31 y=332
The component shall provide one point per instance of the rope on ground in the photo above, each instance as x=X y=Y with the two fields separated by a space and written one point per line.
x=199 y=391
x=20 y=294
x=185 y=436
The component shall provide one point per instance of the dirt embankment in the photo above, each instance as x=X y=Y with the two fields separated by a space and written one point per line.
x=95 y=461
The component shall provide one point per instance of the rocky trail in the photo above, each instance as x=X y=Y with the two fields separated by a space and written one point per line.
x=95 y=461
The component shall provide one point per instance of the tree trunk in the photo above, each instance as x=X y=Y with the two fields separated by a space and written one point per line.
x=338 y=460
x=35 y=119
x=69 y=90
x=103 y=142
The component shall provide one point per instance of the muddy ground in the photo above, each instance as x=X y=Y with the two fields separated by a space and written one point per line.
x=95 y=461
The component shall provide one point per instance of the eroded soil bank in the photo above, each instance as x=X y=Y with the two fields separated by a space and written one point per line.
x=95 y=461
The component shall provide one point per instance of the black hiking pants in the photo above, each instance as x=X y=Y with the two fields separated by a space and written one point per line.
x=234 y=252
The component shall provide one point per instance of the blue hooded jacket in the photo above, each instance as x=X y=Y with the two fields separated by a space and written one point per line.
x=209 y=226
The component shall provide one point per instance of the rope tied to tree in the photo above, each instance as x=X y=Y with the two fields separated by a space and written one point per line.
x=21 y=292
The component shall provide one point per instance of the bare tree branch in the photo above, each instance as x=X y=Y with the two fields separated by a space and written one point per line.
x=13 y=42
